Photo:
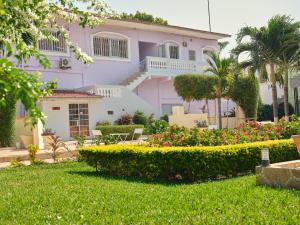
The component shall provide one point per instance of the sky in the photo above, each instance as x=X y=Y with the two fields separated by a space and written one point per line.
x=227 y=16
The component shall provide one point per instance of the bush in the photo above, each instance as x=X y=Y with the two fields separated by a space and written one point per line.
x=140 y=118
x=165 y=117
x=157 y=127
x=103 y=123
x=265 y=112
x=32 y=151
x=185 y=163
x=125 y=119
x=106 y=130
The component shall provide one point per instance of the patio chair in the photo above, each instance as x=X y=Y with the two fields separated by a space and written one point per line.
x=96 y=133
x=212 y=127
x=137 y=131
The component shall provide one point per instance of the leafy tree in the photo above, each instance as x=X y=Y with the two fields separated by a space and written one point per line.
x=142 y=16
x=245 y=92
x=221 y=68
x=264 y=48
x=23 y=24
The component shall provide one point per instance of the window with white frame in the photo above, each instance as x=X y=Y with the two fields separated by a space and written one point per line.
x=192 y=55
x=58 y=45
x=112 y=46
x=207 y=53
x=169 y=49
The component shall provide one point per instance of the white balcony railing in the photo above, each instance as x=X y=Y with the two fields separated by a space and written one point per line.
x=106 y=91
x=165 y=66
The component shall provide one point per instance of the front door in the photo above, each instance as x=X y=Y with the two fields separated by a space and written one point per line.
x=79 y=119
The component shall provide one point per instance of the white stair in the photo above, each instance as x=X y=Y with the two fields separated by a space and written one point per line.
x=134 y=80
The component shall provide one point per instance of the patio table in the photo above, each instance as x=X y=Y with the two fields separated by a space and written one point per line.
x=120 y=136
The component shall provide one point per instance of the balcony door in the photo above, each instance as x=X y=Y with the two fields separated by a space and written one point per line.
x=79 y=119
x=169 y=50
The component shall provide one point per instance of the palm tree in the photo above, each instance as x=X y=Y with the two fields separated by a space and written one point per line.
x=289 y=57
x=221 y=68
x=264 y=48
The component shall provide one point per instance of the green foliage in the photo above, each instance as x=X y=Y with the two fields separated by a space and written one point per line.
x=165 y=117
x=125 y=119
x=187 y=164
x=245 y=92
x=7 y=121
x=142 y=16
x=157 y=127
x=195 y=87
x=140 y=118
x=103 y=123
x=265 y=112
x=32 y=150
x=80 y=139
x=112 y=129
x=245 y=133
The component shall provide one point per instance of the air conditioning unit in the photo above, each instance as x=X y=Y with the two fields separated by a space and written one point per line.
x=64 y=63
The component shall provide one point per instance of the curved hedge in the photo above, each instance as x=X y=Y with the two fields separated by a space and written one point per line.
x=185 y=163
x=110 y=129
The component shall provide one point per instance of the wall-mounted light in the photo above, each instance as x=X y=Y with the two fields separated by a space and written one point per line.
x=265 y=157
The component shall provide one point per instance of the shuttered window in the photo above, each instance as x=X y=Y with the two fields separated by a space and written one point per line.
x=110 y=47
x=54 y=46
x=192 y=55
x=174 y=52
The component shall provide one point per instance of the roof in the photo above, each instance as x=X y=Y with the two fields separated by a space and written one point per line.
x=59 y=93
x=170 y=29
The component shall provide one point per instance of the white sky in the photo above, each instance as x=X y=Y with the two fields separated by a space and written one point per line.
x=227 y=16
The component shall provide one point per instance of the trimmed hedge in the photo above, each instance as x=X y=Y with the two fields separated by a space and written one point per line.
x=106 y=130
x=185 y=163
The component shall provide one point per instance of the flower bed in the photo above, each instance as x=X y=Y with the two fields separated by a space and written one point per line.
x=185 y=163
x=246 y=133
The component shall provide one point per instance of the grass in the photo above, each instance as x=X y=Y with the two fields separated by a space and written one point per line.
x=73 y=193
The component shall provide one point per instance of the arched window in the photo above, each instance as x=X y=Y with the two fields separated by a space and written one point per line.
x=169 y=49
x=110 y=45
x=206 y=51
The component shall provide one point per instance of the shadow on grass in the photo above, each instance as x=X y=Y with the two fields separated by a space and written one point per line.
x=128 y=179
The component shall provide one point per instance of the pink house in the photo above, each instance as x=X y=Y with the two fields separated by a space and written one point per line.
x=133 y=69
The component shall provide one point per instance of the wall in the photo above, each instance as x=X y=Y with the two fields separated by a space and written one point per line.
x=266 y=93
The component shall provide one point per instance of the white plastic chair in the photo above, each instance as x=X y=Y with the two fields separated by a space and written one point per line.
x=96 y=133
x=212 y=127
x=138 y=131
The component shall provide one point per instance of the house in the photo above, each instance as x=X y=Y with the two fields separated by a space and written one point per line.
x=133 y=69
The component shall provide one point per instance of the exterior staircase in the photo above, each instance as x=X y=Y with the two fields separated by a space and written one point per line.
x=134 y=80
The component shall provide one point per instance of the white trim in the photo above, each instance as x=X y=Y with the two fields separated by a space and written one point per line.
x=168 y=49
x=208 y=47
x=55 y=53
x=111 y=58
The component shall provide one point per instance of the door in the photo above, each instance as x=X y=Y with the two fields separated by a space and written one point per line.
x=79 y=119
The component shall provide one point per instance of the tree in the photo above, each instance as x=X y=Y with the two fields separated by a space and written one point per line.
x=195 y=86
x=221 y=69
x=289 y=57
x=263 y=48
x=142 y=16
x=23 y=24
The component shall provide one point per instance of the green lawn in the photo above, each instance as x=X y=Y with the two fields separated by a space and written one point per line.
x=73 y=193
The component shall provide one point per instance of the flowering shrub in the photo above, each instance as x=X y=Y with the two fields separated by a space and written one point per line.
x=245 y=133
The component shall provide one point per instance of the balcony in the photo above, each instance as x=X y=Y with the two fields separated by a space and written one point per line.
x=169 y=67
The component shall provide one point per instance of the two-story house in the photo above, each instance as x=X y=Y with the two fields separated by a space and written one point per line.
x=134 y=63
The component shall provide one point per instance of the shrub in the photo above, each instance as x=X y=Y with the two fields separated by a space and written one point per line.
x=185 y=163
x=103 y=123
x=140 y=118
x=265 y=112
x=125 y=119
x=157 y=127
x=106 y=130
x=165 y=117
x=32 y=150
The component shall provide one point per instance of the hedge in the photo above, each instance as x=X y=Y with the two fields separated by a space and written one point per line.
x=106 y=130
x=186 y=164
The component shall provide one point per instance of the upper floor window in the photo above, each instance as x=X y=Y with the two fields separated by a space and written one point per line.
x=110 y=45
x=169 y=49
x=58 y=46
x=192 y=55
x=206 y=52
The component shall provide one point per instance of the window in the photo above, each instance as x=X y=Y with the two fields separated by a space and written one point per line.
x=54 y=46
x=207 y=52
x=192 y=55
x=169 y=49
x=167 y=108
x=79 y=119
x=112 y=47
